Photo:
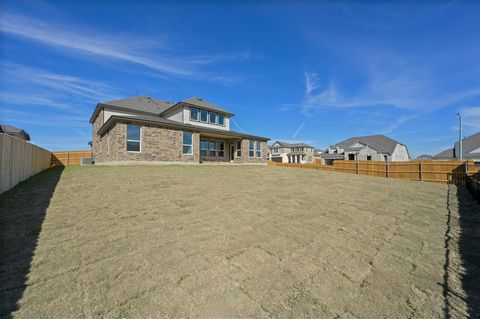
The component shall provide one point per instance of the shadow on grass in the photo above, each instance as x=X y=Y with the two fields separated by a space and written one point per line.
x=22 y=211
x=469 y=249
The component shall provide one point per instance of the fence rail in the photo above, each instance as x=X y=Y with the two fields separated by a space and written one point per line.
x=69 y=158
x=19 y=160
x=428 y=170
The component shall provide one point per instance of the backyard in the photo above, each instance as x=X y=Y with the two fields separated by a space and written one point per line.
x=236 y=241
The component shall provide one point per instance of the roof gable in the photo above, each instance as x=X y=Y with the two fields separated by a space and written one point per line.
x=196 y=101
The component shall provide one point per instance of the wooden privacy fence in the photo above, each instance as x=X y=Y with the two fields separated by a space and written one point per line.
x=69 y=158
x=428 y=171
x=473 y=185
x=19 y=160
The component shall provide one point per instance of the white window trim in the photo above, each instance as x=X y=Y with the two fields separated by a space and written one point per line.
x=198 y=114
x=191 y=153
x=126 y=139
x=259 y=149
x=199 y=118
x=249 y=150
x=238 y=149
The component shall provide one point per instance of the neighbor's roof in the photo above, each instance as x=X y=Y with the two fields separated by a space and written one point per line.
x=12 y=130
x=469 y=145
x=286 y=144
x=380 y=143
x=196 y=101
x=470 y=149
x=161 y=121
x=425 y=156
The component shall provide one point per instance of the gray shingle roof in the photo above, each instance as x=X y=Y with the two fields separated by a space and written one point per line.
x=286 y=144
x=14 y=131
x=205 y=104
x=380 y=143
x=446 y=154
x=332 y=156
x=469 y=144
x=142 y=103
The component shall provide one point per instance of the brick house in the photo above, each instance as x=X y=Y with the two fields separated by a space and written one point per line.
x=143 y=129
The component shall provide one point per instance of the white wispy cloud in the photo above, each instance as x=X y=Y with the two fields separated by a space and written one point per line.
x=298 y=130
x=150 y=53
x=401 y=120
x=471 y=117
x=311 y=82
x=390 y=80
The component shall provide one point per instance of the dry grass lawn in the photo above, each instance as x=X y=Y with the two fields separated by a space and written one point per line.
x=233 y=241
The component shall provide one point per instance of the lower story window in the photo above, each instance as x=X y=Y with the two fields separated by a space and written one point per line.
x=133 y=138
x=211 y=149
x=204 y=148
x=369 y=157
x=239 y=148
x=254 y=149
x=187 y=143
x=221 y=149
x=258 y=152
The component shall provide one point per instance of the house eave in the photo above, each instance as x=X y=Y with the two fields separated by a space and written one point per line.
x=229 y=134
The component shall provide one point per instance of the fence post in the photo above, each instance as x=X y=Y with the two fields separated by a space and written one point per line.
x=356 y=166
x=421 y=168
x=387 y=168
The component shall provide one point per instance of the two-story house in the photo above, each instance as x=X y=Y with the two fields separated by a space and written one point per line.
x=144 y=129
x=370 y=148
x=283 y=152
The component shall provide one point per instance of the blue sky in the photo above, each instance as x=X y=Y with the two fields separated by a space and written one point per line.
x=295 y=71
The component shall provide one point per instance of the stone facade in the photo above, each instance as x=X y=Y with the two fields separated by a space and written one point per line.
x=159 y=144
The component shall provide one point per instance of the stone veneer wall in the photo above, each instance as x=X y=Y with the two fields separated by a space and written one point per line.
x=157 y=144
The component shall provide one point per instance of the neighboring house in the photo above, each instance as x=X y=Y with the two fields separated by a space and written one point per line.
x=470 y=150
x=370 y=148
x=283 y=152
x=15 y=131
x=145 y=129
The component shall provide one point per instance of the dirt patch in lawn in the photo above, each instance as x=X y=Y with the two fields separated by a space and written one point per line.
x=236 y=241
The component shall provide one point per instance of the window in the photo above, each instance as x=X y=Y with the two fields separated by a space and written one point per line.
x=213 y=117
x=187 y=143
x=239 y=148
x=275 y=150
x=258 y=152
x=369 y=157
x=351 y=157
x=251 y=148
x=385 y=157
x=203 y=115
x=133 y=138
x=204 y=148
x=221 y=119
x=211 y=149
x=194 y=114
x=221 y=149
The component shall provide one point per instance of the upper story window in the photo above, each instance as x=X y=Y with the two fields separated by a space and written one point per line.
x=133 y=138
x=207 y=117
x=203 y=115
x=275 y=150
x=194 y=114
x=221 y=119
x=212 y=117
x=187 y=143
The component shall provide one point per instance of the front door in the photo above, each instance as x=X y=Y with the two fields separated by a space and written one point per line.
x=232 y=152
